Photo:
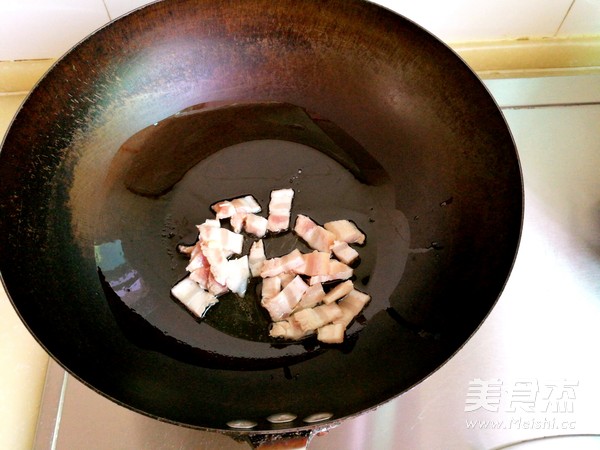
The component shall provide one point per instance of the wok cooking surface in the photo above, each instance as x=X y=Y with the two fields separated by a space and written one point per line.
x=329 y=183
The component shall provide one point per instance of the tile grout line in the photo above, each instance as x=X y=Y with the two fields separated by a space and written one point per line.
x=59 y=412
x=563 y=19
x=110 y=17
x=549 y=105
x=13 y=93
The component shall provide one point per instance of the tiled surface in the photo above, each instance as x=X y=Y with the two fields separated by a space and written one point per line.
x=22 y=360
x=17 y=77
x=8 y=106
x=23 y=364
x=476 y=20
x=557 y=91
x=35 y=29
x=583 y=18
x=117 y=8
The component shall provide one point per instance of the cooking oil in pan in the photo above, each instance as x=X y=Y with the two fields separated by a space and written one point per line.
x=169 y=175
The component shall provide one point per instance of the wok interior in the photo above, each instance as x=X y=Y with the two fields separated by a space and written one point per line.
x=445 y=169
x=332 y=176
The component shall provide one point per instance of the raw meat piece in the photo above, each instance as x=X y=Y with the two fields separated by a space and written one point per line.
x=336 y=271
x=224 y=209
x=238 y=273
x=344 y=252
x=195 y=299
x=312 y=297
x=227 y=208
x=237 y=222
x=331 y=334
x=274 y=266
x=351 y=305
x=270 y=288
x=345 y=231
x=286 y=278
x=287 y=329
x=215 y=288
x=282 y=304
x=196 y=262
x=222 y=238
x=217 y=260
x=256 y=257
x=280 y=206
x=315 y=235
x=314 y=318
x=338 y=292
x=315 y=263
x=255 y=225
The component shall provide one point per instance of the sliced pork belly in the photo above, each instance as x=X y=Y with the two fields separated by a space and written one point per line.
x=222 y=238
x=287 y=329
x=238 y=274
x=195 y=299
x=314 y=318
x=214 y=287
x=332 y=333
x=200 y=276
x=246 y=204
x=231 y=275
x=223 y=209
x=296 y=308
x=315 y=263
x=197 y=249
x=336 y=271
x=282 y=304
x=227 y=208
x=280 y=206
x=270 y=288
x=206 y=280
x=274 y=266
x=209 y=235
x=338 y=292
x=255 y=225
x=256 y=257
x=345 y=231
x=217 y=260
x=250 y=223
x=316 y=236
x=186 y=249
x=197 y=261
x=237 y=222
x=351 y=305
x=209 y=223
x=286 y=278
x=191 y=250
x=311 y=297
x=344 y=252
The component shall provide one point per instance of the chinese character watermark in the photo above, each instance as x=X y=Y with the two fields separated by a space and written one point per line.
x=525 y=396
x=559 y=396
x=484 y=394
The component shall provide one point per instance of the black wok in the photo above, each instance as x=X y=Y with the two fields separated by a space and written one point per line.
x=124 y=144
